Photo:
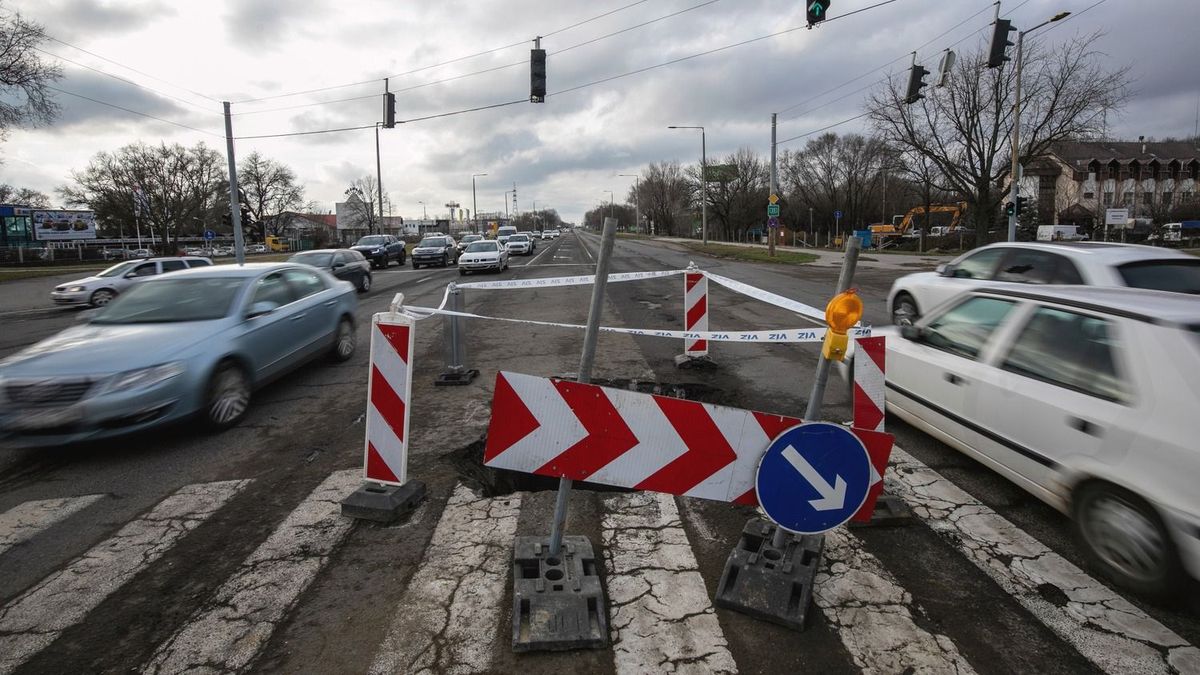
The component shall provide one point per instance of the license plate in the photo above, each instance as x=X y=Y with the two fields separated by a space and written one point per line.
x=43 y=419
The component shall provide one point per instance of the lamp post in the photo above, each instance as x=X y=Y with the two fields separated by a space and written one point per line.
x=637 y=199
x=1014 y=188
x=474 y=206
x=703 y=183
x=424 y=213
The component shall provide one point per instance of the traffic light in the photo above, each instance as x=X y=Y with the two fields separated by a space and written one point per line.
x=389 y=110
x=1000 y=43
x=1010 y=209
x=816 y=11
x=537 y=75
x=1020 y=205
x=916 y=82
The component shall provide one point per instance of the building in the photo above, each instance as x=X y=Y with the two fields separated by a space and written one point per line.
x=351 y=217
x=1075 y=181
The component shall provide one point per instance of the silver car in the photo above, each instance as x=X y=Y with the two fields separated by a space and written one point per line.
x=191 y=343
x=100 y=289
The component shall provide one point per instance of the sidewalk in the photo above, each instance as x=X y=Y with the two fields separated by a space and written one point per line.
x=911 y=262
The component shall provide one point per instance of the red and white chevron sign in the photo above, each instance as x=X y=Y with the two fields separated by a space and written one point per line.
x=628 y=439
x=389 y=390
x=868 y=382
x=695 y=308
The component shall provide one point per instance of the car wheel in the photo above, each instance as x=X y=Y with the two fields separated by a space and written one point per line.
x=1124 y=537
x=364 y=283
x=416 y=266
x=228 y=397
x=445 y=260
x=344 y=342
x=462 y=272
x=102 y=297
x=904 y=310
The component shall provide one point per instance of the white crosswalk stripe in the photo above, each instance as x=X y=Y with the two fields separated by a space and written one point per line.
x=23 y=521
x=661 y=616
x=228 y=632
x=39 y=615
x=1104 y=627
x=450 y=614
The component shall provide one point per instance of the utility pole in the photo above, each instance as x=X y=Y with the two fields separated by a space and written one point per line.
x=235 y=213
x=771 y=230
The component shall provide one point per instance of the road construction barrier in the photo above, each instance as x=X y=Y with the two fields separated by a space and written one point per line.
x=389 y=391
x=695 y=312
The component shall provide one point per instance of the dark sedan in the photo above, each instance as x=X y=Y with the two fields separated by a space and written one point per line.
x=347 y=265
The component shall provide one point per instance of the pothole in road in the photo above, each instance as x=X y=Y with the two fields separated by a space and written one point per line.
x=467 y=461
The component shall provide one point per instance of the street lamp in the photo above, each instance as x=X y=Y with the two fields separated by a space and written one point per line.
x=1013 y=189
x=637 y=199
x=474 y=206
x=611 y=205
x=703 y=183
x=424 y=213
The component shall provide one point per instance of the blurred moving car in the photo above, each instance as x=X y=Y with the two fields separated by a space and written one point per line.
x=466 y=240
x=141 y=253
x=197 y=342
x=547 y=234
x=118 y=254
x=100 y=289
x=520 y=244
x=1090 y=263
x=256 y=248
x=482 y=256
x=381 y=249
x=1084 y=397
x=439 y=251
x=345 y=264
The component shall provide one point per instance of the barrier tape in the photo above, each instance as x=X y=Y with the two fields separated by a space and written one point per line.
x=769 y=297
x=567 y=281
x=787 y=335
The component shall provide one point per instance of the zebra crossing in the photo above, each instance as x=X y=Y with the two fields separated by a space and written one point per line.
x=453 y=613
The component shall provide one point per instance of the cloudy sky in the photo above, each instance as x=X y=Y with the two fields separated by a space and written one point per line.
x=260 y=54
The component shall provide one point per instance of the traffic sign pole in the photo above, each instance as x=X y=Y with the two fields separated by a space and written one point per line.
x=773 y=205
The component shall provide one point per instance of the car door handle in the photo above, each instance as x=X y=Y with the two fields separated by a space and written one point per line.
x=331 y=303
x=954 y=379
x=1089 y=428
x=298 y=317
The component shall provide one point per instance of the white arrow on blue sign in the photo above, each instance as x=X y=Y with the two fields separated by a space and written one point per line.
x=813 y=477
x=837 y=214
x=209 y=235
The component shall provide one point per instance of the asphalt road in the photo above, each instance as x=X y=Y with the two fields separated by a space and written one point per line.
x=178 y=550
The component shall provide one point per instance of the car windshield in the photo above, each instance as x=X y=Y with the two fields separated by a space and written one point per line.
x=374 y=240
x=518 y=237
x=472 y=237
x=314 y=259
x=482 y=247
x=118 y=269
x=1177 y=276
x=173 y=300
x=431 y=243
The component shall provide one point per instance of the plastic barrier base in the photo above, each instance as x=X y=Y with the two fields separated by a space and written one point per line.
x=684 y=361
x=768 y=583
x=558 y=603
x=383 y=503
x=450 y=379
x=890 y=511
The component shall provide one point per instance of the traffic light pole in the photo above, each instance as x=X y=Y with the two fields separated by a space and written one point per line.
x=1015 y=189
x=378 y=166
x=235 y=213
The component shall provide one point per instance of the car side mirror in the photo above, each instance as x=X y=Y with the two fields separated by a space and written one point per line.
x=912 y=332
x=945 y=270
x=262 y=307
x=338 y=265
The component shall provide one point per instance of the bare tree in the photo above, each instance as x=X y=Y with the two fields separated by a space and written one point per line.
x=270 y=188
x=363 y=203
x=26 y=98
x=180 y=185
x=836 y=173
x=964 y=128
x=737 y=204
x=23 y=197
x=665 y=195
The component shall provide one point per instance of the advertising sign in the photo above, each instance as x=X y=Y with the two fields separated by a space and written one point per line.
x=64 y=225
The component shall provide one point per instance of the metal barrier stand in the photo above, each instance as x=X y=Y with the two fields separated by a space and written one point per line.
x=454 y=339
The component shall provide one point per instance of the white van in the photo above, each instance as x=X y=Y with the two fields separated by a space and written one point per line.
x=504 y=232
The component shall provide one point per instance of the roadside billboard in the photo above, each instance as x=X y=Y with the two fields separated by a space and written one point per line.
x=63 y=225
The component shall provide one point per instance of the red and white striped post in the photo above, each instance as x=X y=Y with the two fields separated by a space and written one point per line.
x=870 y=354
x=387 y=492
x=695 y=315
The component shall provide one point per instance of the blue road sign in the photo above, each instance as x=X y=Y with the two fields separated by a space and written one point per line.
x=837 y=214
x=813 y=477
x=209 y=235
x=772 y=222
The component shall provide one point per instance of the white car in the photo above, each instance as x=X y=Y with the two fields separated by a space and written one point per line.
x=1084 y=397
x=100 y=289
x=482 y=256
x=547 y=234
x=519 y=244
x=256 y=248
x=1015 y=264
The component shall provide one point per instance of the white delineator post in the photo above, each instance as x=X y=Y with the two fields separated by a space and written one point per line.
x=695 y=308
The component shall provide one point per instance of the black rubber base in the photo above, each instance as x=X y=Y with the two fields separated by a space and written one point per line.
x=767 y=583
x=890 y=511
x=456 y=379
x=558 y=602
x=383 y=503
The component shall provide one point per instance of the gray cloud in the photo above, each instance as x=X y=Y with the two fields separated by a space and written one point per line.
x=73 y=20
x=268 y=24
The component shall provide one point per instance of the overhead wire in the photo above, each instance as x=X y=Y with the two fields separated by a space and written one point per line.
x=129 y=110
x=128 y=81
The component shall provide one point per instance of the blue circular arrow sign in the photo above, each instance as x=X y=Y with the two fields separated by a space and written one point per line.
x=813 y=477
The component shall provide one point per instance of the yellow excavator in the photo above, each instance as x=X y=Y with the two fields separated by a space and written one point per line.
x=884 y=231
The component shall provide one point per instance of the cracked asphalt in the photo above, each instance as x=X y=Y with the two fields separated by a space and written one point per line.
x=179 y=551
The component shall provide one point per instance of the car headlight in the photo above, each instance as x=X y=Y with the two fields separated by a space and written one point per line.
x=76 y=289
x=144 y=377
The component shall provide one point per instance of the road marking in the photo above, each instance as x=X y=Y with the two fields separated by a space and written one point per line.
x=39 y=615
x=421 y=281
x=23 y=521
x=1104 y=627
x=450 y=613
x=535 y=258
x=227 y=633
x=661 y=616
x=873 y=614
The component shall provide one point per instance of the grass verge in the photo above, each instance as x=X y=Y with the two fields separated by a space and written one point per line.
x=753 y=254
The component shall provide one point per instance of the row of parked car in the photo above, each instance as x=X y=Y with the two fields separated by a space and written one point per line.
x=1071 y=370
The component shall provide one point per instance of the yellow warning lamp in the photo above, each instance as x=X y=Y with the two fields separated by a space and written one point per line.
x=842 y=312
